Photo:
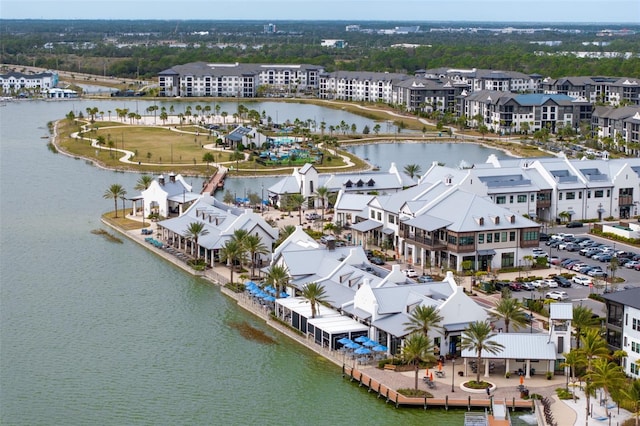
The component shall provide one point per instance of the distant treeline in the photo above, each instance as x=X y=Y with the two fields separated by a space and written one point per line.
x=141 y=49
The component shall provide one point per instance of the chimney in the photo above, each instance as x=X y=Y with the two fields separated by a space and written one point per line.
x=161 y=180
x=172 y=178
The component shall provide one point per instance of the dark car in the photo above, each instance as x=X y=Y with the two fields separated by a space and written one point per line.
x=376 y=261
x=515 y=286
x=562 y=281
x=575 y=224
x=543 y=236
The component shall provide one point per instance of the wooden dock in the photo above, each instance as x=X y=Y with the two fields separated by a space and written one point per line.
x=216 y=182
x=398 y=399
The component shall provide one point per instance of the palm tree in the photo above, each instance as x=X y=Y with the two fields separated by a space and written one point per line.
x=114 y=192
x=230 y=252
x=417 y=348
x=143 y=183
x=285 y=231
x=254 y=245
x=572 y=360
x=278 y=276
x=593 y=347
x=582 y=320
x=422 y=319
x=510 y=311
x=194 y=231
x=315 y=294
x=322 y=192
x=412 y=170
x=632 y=393
x=296 y=201
x=606 y=375
x=477 y=337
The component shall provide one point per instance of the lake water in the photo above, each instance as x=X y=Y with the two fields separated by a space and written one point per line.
x=94 y=332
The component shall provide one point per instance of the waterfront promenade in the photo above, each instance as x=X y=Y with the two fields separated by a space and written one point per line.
x=446 y=392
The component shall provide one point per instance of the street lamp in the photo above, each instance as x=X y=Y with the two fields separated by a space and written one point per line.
x=453 y=376
x=531 y=313
x=262 y=198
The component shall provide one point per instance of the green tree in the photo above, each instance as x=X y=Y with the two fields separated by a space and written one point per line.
x=417 y=348
x=296 y=201
x=194 y=231
x=231 y=253
x=285 y=231
x=422 y=319
x=208 y=158
x=582 y=320
x=278 y=276
x=593 y=347
x=254 y=245
x=315 y=295
x=143 y=182
x=412 y=170
x=606 y=375
x=228 y=197
x=114 y=192
x=510 y=311
x=632 y=393
x=478 y=337
x=572 y=360
x=322 y=193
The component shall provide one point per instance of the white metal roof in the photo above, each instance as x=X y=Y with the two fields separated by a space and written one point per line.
x=519 y=346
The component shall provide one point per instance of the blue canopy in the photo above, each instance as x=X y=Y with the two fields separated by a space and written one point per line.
x=344 y=341
x=361 y=339
x=362 y=351
x=352 y=345
x=380 y=348
x=270 y=298
x=284 y=295
x=370 y=343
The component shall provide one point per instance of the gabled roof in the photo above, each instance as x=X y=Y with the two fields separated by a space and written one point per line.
x=630 y=297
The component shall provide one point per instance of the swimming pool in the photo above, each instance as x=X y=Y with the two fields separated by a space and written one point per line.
x=283 y=140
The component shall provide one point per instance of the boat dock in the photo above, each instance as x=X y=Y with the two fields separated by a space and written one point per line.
x=216 y=181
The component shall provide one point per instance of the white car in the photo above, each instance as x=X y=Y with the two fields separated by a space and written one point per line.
x=551 y=283
x=581 y=280
x=410 y=273
x=557 y=295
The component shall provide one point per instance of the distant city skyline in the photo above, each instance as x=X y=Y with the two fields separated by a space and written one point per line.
x=524 y=11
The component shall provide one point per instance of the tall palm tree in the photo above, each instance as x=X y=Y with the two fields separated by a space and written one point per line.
x=296 y=201
x=194 y=231
x=278 y=276
x=417 y=348
x=477 y=337
x=606 y=375
x=582 y=320
x=593 y=347
x=322 y=193
x=315 y=294
x=114 y=192
x=285 y=231
x=572 y=360
x=510 y=311
x=239 y=236
x=422 y=319
x=143 y=182
x=632 y=393
x=231 y=252
x=412 y=170
x=254 y=245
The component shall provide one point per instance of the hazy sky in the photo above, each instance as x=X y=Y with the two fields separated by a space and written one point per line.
x=591 y=11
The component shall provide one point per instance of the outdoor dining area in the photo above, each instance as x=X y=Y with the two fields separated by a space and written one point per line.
x=362 y=350
x=264 y=295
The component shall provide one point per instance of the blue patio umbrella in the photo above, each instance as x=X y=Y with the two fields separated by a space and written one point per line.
x=352 y=345
x=344 y=341
x=362 y=351
x=269 y=288
x=370 y=343
x=380 y=348
x=270 y=298
x=361 y=339
x=284 y=295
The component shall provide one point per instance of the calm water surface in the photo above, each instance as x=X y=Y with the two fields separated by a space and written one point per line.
x=94 y=332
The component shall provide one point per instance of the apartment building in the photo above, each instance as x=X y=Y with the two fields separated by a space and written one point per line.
x=623 y=327
x=607 y=90
x=15 y=83
x=359 y=85
x=484 y=79
x=621 y=125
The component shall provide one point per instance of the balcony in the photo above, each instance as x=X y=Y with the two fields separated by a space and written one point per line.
x=625 y=200
x=428 y=243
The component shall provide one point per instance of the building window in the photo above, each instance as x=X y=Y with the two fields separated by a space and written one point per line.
x=510 y=199
x=530 y=236
x=379 y=216
x=608 y=193
x=580 y=195
x=501 y=199
x=489 y=237
x=503 y=237
x=599 y=193
x=559 y=195
x=532 y=198
x=507 y=260
x=373 y=214
x=522 y=198
x=480 y=238
x=466 y=240
x=496 y=237
x=512 y=236
x=571 y=195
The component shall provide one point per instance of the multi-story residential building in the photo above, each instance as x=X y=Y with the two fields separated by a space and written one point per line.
x=237 y=80
x=507 y=112
x=621 y=125
x=484 y=79
x=607 y=90
x=359 y=85
x=419 y=94
x=16 y=83
x=623 y=327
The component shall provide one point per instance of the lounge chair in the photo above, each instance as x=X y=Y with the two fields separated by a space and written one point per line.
x=601 y=418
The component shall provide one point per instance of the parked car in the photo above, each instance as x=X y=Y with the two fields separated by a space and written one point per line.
x=575 y=224
x=549 y=282
x=312 y=216
x=543 y=237
x=376 y=261
x=410 y=273
x=515 y=286
x=425 y=279
x=632 y=264
x=527 y=285
x=557 y=295
x=581 y=280
x=572 y=247
x=596 y=272
x=562 y=281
